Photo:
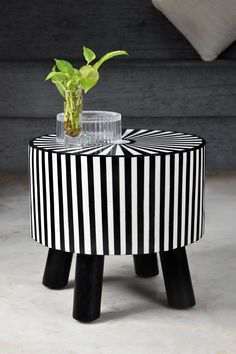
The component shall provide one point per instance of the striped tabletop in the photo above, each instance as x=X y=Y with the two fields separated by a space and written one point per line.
x=142 y=194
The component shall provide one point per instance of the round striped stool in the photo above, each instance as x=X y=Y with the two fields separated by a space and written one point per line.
x=142 y=195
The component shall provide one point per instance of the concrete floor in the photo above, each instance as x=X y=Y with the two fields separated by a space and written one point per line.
x=135 y=317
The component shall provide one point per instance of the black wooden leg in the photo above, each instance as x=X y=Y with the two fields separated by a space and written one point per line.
x=177 y=278
x=57 y=270
x=145 y=265
x=88 y=287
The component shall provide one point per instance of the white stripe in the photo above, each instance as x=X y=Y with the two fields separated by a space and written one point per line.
x=150 y=133
x=183 y=199
x=133 y=152
x=167 y=133
x=134 y=206
x=56 y=202
x=44 y=138
x=122 y=205
x=157 y=147
x=75 y=212
x=110 y=215
x=126 y=132
x=64 y=149
x=98 y=205
x=190 y=197
x=65 y=203
x=106 y=151
x=86 y=214
x=41 y=198
x=145 y=150
x=78 y=151
x=48 y=200
x=201 y=196
x=146 y=225
x=47 y=147
x=157 y=202
x=167 y=204
x=176 y=194
x=94 y=150
x=30 y=192
x=172 y=134
x=119 y=151
x=150 y=149
x=166 y=144
x=204 y=179
x=138 y=132
x=48 y=144
x=32 y=221
x=168 y=138
x=196 y=196
x=36 y=196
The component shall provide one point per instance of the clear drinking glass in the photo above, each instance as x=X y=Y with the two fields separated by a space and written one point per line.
x=60 y=128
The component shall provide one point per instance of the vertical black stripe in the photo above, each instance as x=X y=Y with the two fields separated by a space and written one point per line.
x=80 y=204
x=39 y=236
x=199 y=195
x=187 y=196
x=116 y=203
x=30 y=189
x=44 y=198
x=179 y=218
x=193 y=196
x=203 y=191
x=33 y=213
x=162 y=202
x=50 y=176
x=60 y=200
x=70 y=206
x=140 y=194
x=128 y=206
x=171 y=205
x=91 y=205
x=152 y=175
x=103 y=176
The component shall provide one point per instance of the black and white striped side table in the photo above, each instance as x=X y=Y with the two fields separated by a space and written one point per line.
x=140 y=196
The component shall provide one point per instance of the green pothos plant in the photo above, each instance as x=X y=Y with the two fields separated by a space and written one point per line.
x=71 y=82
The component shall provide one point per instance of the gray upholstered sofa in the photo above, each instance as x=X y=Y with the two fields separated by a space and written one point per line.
x=163 y=84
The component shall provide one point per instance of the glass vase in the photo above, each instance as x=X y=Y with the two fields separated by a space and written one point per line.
x=100 y=127
x=73 y=106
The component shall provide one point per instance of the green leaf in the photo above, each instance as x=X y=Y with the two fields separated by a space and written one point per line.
x=55 y=75
x=88 y=54
x=108 y=56
x=58 y=76
x=64 y=66
x=60 y=88
x=50 y=75
x=88 y=77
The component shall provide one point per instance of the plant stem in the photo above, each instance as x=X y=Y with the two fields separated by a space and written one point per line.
x=73 y=106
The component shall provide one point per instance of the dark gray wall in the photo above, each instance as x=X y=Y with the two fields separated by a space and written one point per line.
x=162 y=84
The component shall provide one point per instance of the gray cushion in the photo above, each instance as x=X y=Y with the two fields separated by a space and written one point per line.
x=209 y=25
